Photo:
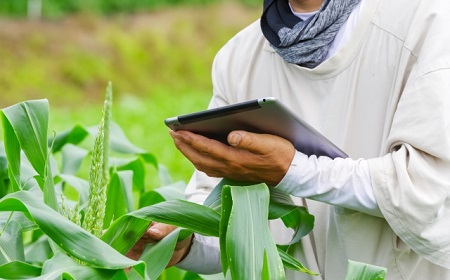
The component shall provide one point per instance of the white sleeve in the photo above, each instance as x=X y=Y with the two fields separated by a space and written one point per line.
x=341 y=182
x=199 y=187
x=203 y=257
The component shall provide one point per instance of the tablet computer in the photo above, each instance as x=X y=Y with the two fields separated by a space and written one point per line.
x=263 y=115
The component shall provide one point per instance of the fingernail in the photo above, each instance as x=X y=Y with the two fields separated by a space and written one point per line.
x=234 y=139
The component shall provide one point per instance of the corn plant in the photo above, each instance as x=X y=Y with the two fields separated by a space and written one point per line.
x=34 y=202
x=45 y=233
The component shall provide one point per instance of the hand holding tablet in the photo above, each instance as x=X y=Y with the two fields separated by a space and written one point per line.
x=264 y=115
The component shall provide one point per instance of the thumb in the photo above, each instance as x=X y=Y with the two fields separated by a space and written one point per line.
x=246 y=140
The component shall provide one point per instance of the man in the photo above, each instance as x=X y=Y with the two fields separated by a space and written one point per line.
x=373 y=76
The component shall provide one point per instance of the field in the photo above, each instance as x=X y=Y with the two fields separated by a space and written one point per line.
x=158 y=62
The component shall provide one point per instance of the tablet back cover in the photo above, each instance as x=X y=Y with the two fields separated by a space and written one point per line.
x=264 y=115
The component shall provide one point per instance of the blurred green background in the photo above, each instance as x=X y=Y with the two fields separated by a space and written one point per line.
x=156 y=53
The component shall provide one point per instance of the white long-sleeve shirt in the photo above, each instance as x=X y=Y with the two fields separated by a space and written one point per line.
x=343 y=182
x=384 y=99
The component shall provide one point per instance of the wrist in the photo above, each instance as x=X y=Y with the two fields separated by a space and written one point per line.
x=187 y=248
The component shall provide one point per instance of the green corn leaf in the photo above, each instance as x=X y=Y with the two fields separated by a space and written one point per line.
x=293 y=216
x=72 y=158
x=120 y=196
x=49 y=190
x=118 y=141
x=126 y=184
x=29 y=122
x=245 y=234
x=137 y=165
x=158 y=255
x=192 y=276
x=164 y=175
x=281 y=206
x=62 y=265
x=38 y=251
x=150 y=198
x=71 y=238
x=11 y=242
x=127 y=229
x=191 y=216
x=172 y=191
x=149 y=159
x=80 y=185
x=357 y=271
x=291 y=263
x=214 y=199
x=167 y=192
x=73 y=136
x=265 y=274
x=19 y=270
x=28 y=176
x=4 y=178
x=125 y=232
x=17 y=217
x=227 y=205
x=12 y=151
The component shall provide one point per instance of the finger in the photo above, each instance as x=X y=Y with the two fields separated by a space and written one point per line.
x=158 y=231
x=204 y=156
x=255 y=143
x=198 y=158
x=246 y=140
x=201 y=151
x=212 y=167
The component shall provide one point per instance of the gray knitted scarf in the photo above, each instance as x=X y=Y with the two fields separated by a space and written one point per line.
x=304 y=42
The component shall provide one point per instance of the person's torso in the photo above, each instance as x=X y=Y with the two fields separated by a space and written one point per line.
x=350 y=98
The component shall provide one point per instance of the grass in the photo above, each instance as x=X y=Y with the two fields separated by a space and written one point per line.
x=57 y=8
x=159 y=64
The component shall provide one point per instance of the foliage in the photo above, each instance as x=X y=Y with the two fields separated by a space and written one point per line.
x=357 y=270
x=36 y=184
x=56 y=8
